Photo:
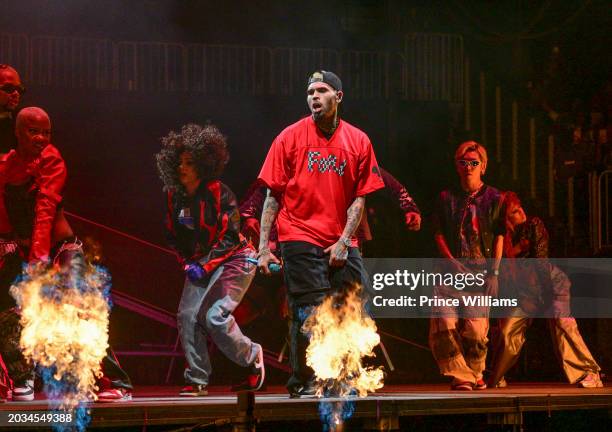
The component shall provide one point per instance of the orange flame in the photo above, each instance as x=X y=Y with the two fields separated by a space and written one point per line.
x=341 y=335
x=70 y=334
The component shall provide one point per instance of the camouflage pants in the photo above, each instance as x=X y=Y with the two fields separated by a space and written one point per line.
x=458 y=337
x=18 y=367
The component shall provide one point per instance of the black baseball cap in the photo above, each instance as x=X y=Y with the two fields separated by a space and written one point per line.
x=326 y=77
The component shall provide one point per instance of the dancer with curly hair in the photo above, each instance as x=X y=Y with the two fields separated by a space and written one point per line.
x=203 y=228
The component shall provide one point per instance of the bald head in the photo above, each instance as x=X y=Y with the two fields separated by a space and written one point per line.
x=32 y=114
x=10 y=88
x=33 y=131
x=8 y=71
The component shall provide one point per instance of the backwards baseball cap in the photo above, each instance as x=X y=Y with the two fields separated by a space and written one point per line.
x=326 y=77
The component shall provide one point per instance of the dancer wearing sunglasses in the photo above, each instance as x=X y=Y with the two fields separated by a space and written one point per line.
x=469 y=232
x=11 y=90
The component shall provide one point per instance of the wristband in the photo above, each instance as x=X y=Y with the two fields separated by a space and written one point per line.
x=345 y=241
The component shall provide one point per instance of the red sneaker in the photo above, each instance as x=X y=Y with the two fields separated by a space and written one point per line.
x=256 y=377
x=193 y=390
x=480 y=385
x=114 y=395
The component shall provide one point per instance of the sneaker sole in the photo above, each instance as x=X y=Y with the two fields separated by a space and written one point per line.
x=126 y=398
x=598 y=385
x=27 y=398
x=263 y=369
x=301 y=396
x=462 y=388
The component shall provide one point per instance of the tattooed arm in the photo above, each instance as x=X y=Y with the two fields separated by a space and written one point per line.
x=338 y=252
x=353 y=217
x=268 y=216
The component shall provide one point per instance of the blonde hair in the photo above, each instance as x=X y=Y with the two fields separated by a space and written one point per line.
x=469 y=146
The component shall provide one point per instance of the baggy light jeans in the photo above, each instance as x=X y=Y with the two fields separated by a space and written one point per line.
x=206 y=309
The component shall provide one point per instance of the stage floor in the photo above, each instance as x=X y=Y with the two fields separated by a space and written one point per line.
x=163 y=406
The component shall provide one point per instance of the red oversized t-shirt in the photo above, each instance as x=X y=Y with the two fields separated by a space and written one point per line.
x=319 y=179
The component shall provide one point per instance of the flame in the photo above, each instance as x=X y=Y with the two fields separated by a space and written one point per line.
x=341 y=334
x=64 y=319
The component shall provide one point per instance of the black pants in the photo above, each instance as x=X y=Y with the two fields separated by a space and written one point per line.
x=10 y=268
x=114 y=376
x=309 y=280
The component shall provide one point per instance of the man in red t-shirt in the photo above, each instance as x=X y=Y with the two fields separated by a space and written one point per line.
x=317 y=172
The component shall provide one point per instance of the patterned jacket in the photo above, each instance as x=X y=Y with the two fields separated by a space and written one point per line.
x=216 y=229
x=447 y=218
x=537 y=280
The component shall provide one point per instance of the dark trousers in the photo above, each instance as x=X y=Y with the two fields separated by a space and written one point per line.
x=309 y=280
x=10 y=268
x=114 y=376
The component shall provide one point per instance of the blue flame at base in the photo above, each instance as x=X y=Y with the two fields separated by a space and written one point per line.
x=334 y=412
x=56 y=391
x=74 y=276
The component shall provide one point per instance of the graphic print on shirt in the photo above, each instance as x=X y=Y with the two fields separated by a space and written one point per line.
x=324 y=164
x=185 y=218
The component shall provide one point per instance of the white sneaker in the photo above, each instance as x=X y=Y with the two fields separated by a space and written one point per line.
x=590 y=380
x=24 y=391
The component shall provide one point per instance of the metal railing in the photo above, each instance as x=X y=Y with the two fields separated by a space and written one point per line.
x=70 y=62
x=431 y=66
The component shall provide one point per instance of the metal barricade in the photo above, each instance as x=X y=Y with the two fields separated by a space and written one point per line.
x=70 y=62
x=150 y=66
x=433 y=67
x=228 y=69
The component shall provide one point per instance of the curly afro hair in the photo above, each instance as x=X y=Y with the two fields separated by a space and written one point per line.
x=207 y=145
